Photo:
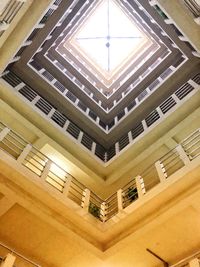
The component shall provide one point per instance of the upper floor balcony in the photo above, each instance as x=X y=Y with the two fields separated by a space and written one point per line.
x=163 y=185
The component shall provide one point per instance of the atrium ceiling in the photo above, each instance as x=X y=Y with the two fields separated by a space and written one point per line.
x=107 y=77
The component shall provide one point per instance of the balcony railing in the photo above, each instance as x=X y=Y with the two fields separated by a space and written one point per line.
x=84 y=109
x=11 y=10
x=193 y=6
x=191 y=261
x=44 y=107
x=8 y=257
x=9 y=13
x=64 y=183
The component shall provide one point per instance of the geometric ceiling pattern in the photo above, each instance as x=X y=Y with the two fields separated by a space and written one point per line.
x=103 y=65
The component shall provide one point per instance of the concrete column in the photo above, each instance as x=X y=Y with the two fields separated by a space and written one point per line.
x=183 y=156
x=137 y=101
x=120 y=199
x=80 y=137
x=14 y=59
x=67 y=185
x=51 y=113
x=144 y=124
x=160 y=113
x=103 y=211
x=46 y=170
x=8 y=261
x=3 y=133
x=194 y=263
x=140 y=186
x=130 y=138
x=153 y=2
x=175 y=98
x=197 y=20
x=196 y=54
x=93 y=147
x=117 y=148
x=3 y=26
x=86 y=199
x=66 y=125
x=159 y=168
x=19 y=86
x=87 y=111
x=193 y=83
x=36 y=99
x=24 y=153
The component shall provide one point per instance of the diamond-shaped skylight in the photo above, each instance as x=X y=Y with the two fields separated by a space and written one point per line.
x=108 y=38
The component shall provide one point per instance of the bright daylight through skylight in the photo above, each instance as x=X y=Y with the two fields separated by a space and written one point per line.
x=109 y=37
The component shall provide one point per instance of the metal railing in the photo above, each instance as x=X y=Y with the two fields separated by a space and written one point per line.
x=60 y=119
x=19 y=258
x=193 y=6
x=129 y=193
x=191 y=145
x=10 y=11
x=59 y=179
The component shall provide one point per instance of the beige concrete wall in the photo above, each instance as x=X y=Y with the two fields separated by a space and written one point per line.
x=183 y=19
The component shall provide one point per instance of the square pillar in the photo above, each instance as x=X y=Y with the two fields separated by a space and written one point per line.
x=160 y=170
x=46 y=170
x=120 y=199
x=8 y=261
x=86 y=199
x=3 y=133
x=140 y=186
x=194 y=263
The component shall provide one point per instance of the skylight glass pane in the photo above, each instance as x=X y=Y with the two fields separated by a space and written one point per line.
x=120 y=25
x=97 y=51
x=108 y=37
x=122 y=48
x=97 y=24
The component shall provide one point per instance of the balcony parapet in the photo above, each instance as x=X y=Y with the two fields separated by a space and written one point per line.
x=51 y=174
x=159 y=114
x=194 y=7
x=9 y=13
x=120 y=116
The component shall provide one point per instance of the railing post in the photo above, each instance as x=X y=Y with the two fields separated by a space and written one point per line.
x=194 y=263
x=86 y=199
x=183 y=156
x=19 y=86
x=140 y=186
x=67 y=185
x=4 y=26
x=103 y=211
x=193 y=83
x=3 y=133
x=8 y=261
x=120 y=200
x=46 y=170
x=159 y=168
x=24 y=153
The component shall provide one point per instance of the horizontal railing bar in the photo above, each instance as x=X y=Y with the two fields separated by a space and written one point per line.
x=55 y=180
x=29 y=159
x=19 y=255
x=80 y=193
x=193 y=144
x=80 y=200
x=60 y=178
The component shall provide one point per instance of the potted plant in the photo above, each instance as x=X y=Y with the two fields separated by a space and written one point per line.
x=132 y=194
x=94 y=210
